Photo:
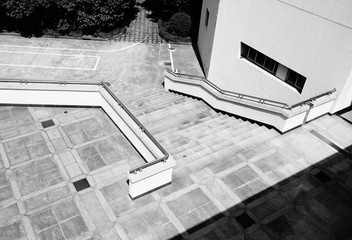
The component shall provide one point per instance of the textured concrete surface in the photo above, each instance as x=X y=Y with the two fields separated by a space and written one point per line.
x=233 y=179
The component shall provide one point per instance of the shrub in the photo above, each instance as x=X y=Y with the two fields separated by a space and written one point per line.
x=180 y=24
x=163 y=32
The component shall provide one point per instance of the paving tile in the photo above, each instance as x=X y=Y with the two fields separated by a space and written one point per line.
x=38 y=150
x=7 y=213
x=166 y=231
x=46 y=198
x=13 y=231
x=59 y=144
x=113 y=192
x=33 y=140
x=72 y=128
x=66 y=210
x=89 y=123
x=134 y=226
x=330 y=210
x=95 y=209
x=94 y=133
x=3 y=180
x=37 y=175
x=109 y=234
x=258 y=235
x=43 y=220
x=79 y=138
x=73 y=170
x=181 y=205
x=74 y=227
x=95 y=162
x=87 y=151
x=107 y=145
x=5 y=193
x=233 y=181
x=14 y=145
x=154 y=216
x=53 y=233
x=294 y=224
x=53 y=134
x=66 y=157
x=18 y=156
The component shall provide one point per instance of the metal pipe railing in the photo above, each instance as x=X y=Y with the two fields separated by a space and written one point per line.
x=119 y=102
x=305 y=102
x=140 y=125
x=245 y=96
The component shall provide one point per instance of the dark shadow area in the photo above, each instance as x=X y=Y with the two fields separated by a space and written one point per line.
x=73 y=18
x=315 y=203
x=161 y=11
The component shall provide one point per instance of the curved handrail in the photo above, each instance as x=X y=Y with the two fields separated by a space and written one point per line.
x=245 y=96
x=105 y=85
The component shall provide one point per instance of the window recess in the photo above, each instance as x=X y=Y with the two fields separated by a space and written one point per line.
x=275 y=68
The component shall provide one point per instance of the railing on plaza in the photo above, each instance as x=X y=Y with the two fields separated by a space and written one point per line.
x=105 y=85
x=236 y=95
x=140 y=125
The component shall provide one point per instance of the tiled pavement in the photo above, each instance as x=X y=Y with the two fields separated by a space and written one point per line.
x=142 y=29
x=266 y=186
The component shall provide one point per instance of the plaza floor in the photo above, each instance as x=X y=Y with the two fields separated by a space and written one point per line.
x=293 y=186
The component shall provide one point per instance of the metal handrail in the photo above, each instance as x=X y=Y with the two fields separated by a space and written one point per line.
x=119 y=102
x=245 y=96
x=139 y=124
x=313 y=98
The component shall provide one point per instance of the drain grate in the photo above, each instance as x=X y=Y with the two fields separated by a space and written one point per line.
x=244 y=220
x=48 y=123
x=81 y=184
x=323 y=177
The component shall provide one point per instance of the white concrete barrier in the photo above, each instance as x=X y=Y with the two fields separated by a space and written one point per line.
x=141 y=181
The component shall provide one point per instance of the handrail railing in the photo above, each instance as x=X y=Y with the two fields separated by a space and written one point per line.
x=313 y=98
x=139 y=124
x=245 y=96
x=119 y=102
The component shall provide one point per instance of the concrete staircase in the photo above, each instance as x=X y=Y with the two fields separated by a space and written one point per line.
x=192 y=132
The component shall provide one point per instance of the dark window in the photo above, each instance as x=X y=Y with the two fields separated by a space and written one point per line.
x=206 y=18
x=270 y=65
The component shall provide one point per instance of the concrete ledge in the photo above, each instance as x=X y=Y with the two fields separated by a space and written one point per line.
x=280 y=118
x=152 y=176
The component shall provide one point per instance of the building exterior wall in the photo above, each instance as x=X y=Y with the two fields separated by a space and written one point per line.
x=311 y=37
x=206 y=32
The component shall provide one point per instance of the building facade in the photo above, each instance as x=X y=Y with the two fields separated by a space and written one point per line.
x=281 y=50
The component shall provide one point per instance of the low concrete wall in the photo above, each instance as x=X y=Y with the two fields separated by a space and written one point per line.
x=140 y=182
x=153 y=177
x=280 y=118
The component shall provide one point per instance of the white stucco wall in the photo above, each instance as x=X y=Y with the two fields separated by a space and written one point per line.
x=311 y=37
x=206 y=33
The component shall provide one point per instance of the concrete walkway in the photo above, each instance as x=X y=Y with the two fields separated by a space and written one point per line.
x=292 y=186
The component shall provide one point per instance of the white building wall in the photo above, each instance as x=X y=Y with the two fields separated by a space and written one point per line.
x=311 y=37
x=206 y=33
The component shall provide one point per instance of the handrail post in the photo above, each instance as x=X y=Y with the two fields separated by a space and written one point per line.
x=171 y=49
x=311 y=105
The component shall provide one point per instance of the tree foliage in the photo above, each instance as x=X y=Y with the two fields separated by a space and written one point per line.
x=180 y=24
x=164 y=9
x=86 y=16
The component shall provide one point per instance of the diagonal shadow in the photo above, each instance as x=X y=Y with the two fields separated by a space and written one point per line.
x=315 y=203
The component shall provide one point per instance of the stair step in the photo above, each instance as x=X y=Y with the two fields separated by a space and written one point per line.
x=159 y=99
x=175 y=134
x=135 y=101
x=158 y=106
x=210 y=140
x=172 y=115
